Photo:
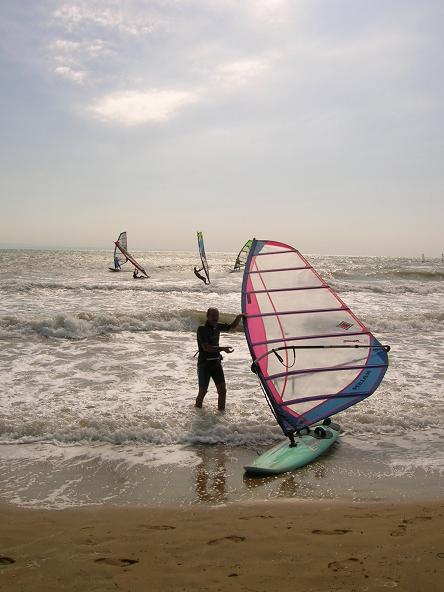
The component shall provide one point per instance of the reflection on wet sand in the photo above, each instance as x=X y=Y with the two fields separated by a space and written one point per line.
x=298 y=483
x=210 y=475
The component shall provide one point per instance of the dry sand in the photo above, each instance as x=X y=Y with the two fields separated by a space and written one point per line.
x=265 y=547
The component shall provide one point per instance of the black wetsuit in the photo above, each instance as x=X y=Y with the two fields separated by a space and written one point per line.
x=201 y=277
x=209 y=364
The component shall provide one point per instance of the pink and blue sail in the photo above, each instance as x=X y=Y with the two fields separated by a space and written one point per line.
x=312 y=355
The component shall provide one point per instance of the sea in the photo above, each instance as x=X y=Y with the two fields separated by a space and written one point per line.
x=98 y=383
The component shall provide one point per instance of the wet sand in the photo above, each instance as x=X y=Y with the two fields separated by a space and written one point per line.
x=44 y=476
x=325 y=546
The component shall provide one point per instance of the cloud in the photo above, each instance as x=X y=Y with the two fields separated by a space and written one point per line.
x=71 y=74
x=77 y=15
x=131 y=108
x=270 y=11
x=72 y=58
x=263 y=12
x=77 y=51
x=238 y=73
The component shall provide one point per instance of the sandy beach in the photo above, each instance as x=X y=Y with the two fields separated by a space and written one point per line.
x=257 y=548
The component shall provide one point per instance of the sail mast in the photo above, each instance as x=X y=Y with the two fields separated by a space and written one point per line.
x=129 y=257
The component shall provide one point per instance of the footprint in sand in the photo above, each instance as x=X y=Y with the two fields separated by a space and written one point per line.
x=157 y=526
x=335 y=531
x=416 y=519
x=343 y=565
x=234 y=538
x=402 y=528
x=251 y=517
x=359 y=516
x=6 y=560
x=387 y=583
x=400 y=532
x=115 y=561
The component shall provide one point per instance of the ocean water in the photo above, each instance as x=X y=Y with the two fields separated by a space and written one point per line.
x=98 y=382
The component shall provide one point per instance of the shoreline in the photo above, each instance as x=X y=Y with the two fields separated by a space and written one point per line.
x=252 y=546
x=44 y=476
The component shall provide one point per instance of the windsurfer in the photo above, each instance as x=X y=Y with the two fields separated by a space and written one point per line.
x=116 y=262
x=135 y=274
x=201 y=277
x=209 y=362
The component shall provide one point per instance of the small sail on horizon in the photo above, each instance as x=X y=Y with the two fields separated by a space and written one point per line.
x=121 y=248
x=312 y=355
x=205 y=268
x=242 y=256
x=423 y=260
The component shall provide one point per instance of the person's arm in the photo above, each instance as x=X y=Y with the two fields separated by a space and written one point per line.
x=210 y=349
x=236 y=322
x=215 y=349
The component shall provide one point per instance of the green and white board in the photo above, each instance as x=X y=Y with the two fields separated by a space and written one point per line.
x=284 y=457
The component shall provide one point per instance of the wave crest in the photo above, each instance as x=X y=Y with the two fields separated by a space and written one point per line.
x=87 y=324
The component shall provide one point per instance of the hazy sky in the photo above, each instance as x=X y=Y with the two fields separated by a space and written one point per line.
x=315 y=122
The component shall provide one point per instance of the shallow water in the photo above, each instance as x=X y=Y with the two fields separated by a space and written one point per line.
x=97 y=370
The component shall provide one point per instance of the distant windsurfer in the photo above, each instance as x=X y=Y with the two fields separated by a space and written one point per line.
x=201 y=277
x=135 y=274
x=209 y=362
x=116 y=263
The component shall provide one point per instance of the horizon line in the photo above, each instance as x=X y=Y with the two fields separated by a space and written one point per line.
x=9 y=247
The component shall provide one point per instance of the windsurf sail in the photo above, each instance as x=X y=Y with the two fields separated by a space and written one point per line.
x=312 y=355
x=242 y=256
x=119 y=258
x=121 y=247
x=203 y=257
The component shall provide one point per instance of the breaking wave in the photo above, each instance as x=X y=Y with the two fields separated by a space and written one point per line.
x=436 y=275
x=167 y=287
x=395 y=322
x=86 y=325
x=388 y=287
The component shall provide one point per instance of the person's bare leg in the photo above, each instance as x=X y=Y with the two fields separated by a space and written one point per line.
x=200 y=397
x=222 y=395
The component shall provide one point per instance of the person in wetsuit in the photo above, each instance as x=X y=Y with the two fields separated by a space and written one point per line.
x=209 y=362
x=135 y=274
x=201 y=277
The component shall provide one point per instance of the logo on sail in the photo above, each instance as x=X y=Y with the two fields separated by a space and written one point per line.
x=345 y=325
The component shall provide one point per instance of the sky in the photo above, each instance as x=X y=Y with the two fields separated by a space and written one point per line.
x=314 y=122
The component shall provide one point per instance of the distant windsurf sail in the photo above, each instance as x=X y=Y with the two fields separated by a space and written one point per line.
x=119 y=258
x=203 y=257
x=313 y=356
x=242 y=256
x=122 y=248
